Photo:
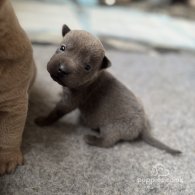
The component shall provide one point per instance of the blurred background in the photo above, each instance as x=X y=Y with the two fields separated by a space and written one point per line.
x=138 y=25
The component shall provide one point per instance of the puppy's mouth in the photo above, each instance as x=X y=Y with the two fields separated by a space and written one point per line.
x=57 y=79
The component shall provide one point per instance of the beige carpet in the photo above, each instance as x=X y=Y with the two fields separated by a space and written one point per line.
x=58 y=162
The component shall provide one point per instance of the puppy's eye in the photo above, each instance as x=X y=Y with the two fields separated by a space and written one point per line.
x=87 y=67
x=62 y=47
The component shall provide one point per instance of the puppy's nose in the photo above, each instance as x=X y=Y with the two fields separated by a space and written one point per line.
x=62 y=71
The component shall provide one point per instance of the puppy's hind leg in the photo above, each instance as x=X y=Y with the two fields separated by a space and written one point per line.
x=108 y=138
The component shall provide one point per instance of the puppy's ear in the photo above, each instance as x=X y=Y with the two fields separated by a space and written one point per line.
x=65 y=30
x=105 y=63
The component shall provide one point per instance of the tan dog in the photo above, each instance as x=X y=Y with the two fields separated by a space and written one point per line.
x=17 y=72
x=106 y=104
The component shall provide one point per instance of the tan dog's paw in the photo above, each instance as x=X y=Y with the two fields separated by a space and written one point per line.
x=9 y=161
x=42 y=121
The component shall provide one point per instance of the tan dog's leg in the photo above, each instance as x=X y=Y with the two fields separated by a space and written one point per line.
x=34 y=73
x=12 y=121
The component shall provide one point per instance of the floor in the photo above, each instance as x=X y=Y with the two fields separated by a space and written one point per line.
x=58 y=161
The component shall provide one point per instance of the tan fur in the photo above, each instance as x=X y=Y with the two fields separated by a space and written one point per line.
x=17 y=72
x=105 y=103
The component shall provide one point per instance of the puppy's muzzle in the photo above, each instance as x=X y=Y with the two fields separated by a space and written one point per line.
x=60 y=73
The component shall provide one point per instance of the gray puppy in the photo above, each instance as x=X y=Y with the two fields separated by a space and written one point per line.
x=106 y=104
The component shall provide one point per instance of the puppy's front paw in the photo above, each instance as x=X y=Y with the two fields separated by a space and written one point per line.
x=42 y=121
x=9 y=160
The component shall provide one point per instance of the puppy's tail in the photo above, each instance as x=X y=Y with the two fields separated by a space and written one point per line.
x=149 y=139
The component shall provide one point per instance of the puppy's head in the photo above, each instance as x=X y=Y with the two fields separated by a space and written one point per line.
x=78 y=60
